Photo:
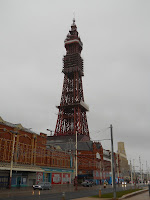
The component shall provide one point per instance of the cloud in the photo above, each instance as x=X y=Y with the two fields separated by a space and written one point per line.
x=116 y=52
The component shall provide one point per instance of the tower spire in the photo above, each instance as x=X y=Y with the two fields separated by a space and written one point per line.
x=74 y=15
x=72 y=110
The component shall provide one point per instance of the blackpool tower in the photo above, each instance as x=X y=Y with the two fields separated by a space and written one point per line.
x=72 y=117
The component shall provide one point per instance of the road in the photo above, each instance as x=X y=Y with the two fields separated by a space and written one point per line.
x=55 y=194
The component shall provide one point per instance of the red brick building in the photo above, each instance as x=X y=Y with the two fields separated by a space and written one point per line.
x=38 y=157
x=38 y=154
x=30 y=155
x=94 y=162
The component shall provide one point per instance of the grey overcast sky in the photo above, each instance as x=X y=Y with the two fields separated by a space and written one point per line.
x=116 y=49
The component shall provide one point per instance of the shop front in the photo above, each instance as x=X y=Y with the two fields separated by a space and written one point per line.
x=97 y=175
x=19 y=179
x=22 y=175
x=4 y=179
x=100 y=177
x=57 y=176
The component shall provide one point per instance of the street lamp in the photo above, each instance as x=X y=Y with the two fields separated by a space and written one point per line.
x=50 y=131
x=12 y=156
x=113 y=163
x=76 y=165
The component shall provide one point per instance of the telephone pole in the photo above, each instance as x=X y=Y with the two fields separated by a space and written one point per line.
x=134 y=178
x=131 y=173
x=147 y=171
x=118 y=167
x=76 y=164
x=140 y=169
x=113 y=163
x=142 y=174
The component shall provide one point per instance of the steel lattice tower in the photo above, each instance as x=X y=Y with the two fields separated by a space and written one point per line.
x=72 y=109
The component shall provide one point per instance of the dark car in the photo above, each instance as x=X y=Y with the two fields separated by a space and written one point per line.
x=87 y=183
x=92 y=181
x=42 y=186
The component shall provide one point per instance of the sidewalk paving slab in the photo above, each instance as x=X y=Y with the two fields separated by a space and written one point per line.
x=139 y=195
x=143 y=196
x=92 y=198
x=136 y=194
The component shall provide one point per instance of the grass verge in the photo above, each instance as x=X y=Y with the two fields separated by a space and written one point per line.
x=118 y=194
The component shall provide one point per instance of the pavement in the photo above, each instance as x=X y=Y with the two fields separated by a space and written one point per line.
x=139 y=195
x=143 y=196
x=90 y=198
x=133 y=196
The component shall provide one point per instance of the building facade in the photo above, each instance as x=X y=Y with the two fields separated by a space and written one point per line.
x=93 y=162
x=27 y=158
x=124 y=166
x=25 y=154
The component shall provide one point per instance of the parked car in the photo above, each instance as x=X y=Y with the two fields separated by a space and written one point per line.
x=87 y=183
x=92 y=181
x=42 y=186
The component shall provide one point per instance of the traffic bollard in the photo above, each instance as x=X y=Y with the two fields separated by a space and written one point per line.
x=63 y=196
x=99 y=193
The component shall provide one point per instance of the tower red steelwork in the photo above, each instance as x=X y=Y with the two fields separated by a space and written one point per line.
x=72 y=109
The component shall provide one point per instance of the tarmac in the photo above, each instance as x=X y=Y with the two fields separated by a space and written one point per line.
x=20 y=191
x=133 y=196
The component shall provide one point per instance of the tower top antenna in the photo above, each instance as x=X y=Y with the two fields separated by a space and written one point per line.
x=74 y=17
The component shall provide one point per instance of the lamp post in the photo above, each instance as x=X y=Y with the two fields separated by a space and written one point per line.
x=12 y=156
x=118 y=167
x=131 y=173
x=50 y=131
x=113 y=163
x=76 y=164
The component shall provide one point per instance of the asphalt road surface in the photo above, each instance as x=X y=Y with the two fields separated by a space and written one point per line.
x=57 y=195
